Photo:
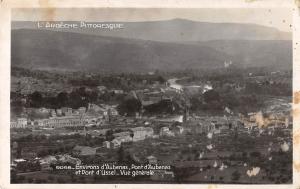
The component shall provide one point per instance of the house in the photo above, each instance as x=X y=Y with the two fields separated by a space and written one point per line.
x=69 y=159
x=121 y=134
x=118 y=140
x=97 y=109
x=58 y=112
x=172 y=119
x=113 y=112
x=152 y=159
x=81 y=110
x=106 y=144
x=45 y=166
x=46 y=162
x=118 y=91
x=141 y=133
x=126 y=138
x=84 y=151
x=165 y=131
x=177 y=130
x=115 y=143
x=53 y=113
x=75 y=112
x=101 y=89
x=19 y=160
x=43 y=110
x=66 y=111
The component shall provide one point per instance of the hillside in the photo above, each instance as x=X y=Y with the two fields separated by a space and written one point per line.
x=44 y=49
x=50 y=49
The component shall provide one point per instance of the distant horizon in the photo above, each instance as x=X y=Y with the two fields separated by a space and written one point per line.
x=138 y=39
x=13 y=26
x=279 y=18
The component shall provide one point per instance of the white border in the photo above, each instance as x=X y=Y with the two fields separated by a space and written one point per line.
x=5 y=10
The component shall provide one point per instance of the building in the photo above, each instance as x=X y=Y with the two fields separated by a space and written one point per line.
x=113 y=112
x=45 y=166
x=87 y=119
x=126 y=138
x=118 y=91
x=43 y=110
x=106 y=144
x=122 y=134
x=19 y=123
x=48 y=160
x=53 y=113
x=152 y=159
x=58 y=112
x=141 y=133
x=65 y=121
x=66 y=111
x=96 y=108
x=115 y=143
x=91 y=120
x=165 y=131
x=101 y=89
x=171 y=119
x=177 y=130
x=82 y=110
x=69 y=159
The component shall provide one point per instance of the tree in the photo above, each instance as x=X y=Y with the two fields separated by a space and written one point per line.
x=211 y=95
x=130 y=106
x=109 y=135
x=62 y=99
x=121 y=154
x=36 y=99
x=76 y=100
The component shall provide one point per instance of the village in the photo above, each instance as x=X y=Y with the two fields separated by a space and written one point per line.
x=48 y=142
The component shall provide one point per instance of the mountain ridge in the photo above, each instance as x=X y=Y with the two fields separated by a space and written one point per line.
x=179 y=29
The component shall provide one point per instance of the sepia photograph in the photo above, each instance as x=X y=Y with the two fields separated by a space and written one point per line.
x=151 y=96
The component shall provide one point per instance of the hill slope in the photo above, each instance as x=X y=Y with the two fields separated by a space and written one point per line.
x=43 y=49
x=50 y=49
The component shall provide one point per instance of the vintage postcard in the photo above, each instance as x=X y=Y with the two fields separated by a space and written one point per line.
x=118 y=95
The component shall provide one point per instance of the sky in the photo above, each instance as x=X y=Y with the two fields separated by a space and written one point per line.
x=280 y=18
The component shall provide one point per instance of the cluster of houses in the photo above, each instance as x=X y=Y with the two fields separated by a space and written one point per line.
x=102 y=89
x=264 y=120
x=221 y=124
x=211 y=124
x=174 y=131
x=68 y=117
x=142 y=133
x=135 y=134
